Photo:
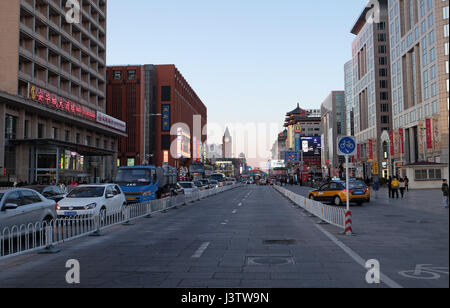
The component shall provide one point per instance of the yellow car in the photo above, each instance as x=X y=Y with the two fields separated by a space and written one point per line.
x=336 y=193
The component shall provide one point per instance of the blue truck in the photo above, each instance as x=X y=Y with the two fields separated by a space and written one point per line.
x=146 y=183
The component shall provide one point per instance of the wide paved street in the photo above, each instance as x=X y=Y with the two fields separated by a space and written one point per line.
x=250 y=237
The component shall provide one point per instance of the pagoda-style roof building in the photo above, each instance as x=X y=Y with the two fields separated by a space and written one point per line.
x=299 y=115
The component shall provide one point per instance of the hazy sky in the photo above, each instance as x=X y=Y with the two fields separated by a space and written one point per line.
x=248 y=60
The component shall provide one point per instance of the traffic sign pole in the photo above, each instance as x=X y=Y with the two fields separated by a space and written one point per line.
x=347 y=182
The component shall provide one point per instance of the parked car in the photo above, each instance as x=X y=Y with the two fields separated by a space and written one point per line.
x=214 y=184
x=206 y=184
x=336 y=193
x=92 y=200
x=54 y=193
x=199 y=185
x=189 y=188
x=23 y=206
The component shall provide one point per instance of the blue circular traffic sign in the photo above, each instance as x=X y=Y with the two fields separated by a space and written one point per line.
x=347 y=145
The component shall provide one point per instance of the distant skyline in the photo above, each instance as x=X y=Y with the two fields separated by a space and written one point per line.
x=249 y=61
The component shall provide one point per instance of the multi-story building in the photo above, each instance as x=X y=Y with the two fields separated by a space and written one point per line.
x=53 y=125
x=227 y=144
x=371 y=88
x=166 y=117
x=333 y=111
x=131 y=94
x=303 y=136
x=349 y=99
x=419 y=142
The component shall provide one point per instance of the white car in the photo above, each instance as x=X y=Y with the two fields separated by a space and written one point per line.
x=189 y=188
x=92 y=200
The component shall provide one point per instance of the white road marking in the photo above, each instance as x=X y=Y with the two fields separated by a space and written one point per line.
x=240 y=204
x=234 y=212
x=358 y=259
x=200 y=251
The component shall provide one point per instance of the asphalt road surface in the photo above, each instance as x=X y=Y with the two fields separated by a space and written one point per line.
x=250 y=237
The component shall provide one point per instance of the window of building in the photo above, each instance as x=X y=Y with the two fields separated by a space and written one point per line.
x=131 y=75
x=384 y=96
x=55 y=133
x=428 y=175
x=166 y=93
x=383 y=84
x=78 y=138
x=382 y=60
x=67 y=135
x=383 y=72
x=10 y=127
x=382 y=49
x=26 y=129
x=385 y=119
x=117 y=75
x=40 y=131
x=88 y=140
x=384 y=107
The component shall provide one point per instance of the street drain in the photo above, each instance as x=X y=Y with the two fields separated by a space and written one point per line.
x=269 y=260
x=280 y=242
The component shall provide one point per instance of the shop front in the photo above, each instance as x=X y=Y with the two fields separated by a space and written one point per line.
x=52 y=162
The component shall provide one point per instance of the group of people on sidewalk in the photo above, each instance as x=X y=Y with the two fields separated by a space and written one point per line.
x=396 y=184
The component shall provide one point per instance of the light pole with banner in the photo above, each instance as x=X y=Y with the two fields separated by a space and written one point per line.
x=347 y=148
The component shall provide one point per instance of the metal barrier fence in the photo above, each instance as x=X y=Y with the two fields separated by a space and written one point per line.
x=45 y=236
x=330 y=214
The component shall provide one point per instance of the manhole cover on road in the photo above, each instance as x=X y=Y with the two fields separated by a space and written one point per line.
x=280 y=242
x=417 y=222
x=269 y=260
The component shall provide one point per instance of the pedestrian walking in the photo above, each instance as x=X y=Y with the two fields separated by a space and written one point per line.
x=389 y=183
x=402 y=187
x=395 y=185
x=407 y=183
x=445 y=194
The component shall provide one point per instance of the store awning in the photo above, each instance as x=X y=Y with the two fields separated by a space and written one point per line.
x=80 y=149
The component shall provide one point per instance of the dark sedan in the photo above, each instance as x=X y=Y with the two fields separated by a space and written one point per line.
x=54 y=193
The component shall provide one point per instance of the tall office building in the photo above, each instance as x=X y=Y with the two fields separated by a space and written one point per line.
x=372 y=89
x=419 y=36
x=349 y=99
x=53 y=125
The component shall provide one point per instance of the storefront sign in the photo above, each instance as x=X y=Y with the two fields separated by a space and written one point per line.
x=370 y=149
x=375 y=168
x=298 y=129
x=429 y=135
x=358 y=151
x=436 y=135
x=421 y=132
x=54 y=101
x=111 y=122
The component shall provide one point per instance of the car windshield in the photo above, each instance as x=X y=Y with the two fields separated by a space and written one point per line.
x=138 y=177
x=198 y=184
x=87 y=192
x=186 y=185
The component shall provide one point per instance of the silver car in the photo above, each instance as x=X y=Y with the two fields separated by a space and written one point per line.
x=23 y=206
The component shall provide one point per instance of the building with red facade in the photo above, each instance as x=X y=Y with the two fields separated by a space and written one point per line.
x=160 y=108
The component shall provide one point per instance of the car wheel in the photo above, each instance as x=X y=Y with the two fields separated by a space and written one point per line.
x=47 y=221
x=337 y=201
x=312 y=197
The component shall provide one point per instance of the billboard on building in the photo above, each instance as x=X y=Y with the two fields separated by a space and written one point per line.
x=312 y=146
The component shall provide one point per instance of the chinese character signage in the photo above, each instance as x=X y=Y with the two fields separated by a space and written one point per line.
x=391 y=137
x=291 y=157
x=429 y=134
x=111 y=122
x=166 y=118
x=370 y=149
x=54 y=101
x=436 y=135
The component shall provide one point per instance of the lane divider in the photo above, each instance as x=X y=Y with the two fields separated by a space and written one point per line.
x=200 y=251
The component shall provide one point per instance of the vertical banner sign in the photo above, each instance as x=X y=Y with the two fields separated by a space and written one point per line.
x=420 y=131
x=402 y=141
x=391 y=137
x=397 y=144
x=358 y=151
x=436 y=135
x=429 y=135
x=165 y=118
x=370 y=149
x=297 y=143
